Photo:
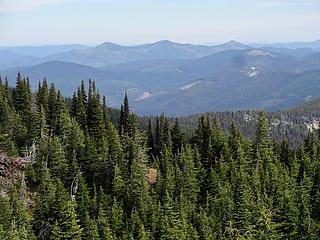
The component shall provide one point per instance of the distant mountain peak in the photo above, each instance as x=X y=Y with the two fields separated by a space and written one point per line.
x=234 y=44
x=164 y=42
x=109 y=45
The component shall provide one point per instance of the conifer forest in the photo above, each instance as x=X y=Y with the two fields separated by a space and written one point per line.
x=74 y=168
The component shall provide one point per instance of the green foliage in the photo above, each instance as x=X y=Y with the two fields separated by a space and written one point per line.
x=103 y=226
x=67 y=226
x=95 y=178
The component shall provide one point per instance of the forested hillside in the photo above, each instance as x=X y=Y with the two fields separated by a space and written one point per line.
x=292 y=125
x=91 y=178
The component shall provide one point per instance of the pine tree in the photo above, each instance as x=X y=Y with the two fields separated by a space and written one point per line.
x=56 y=158
x=203 y=140
x=151 y=143
x=20 y=216
x=287 y=215
x=79 y=108
x=171 y=222
x=42 y=96
x=73 y=106
x=73 y=147
x=44 y=201
x=126 y=114
x=64 y=214
x=51 y=117
x=117 y=220
x=7 y=92
x=177 y=138
x=21 y=95
x=68 y=224
x=90 y=161
x=6 y=212
x=94 y=115
x=115 y=156
x=90 y=229
x=263 y=155
x=105 y=113
x=22 y=101
x=103 y=226
x=119 y=187
x=83 y=201
x=157 y=137
x=137 y=227
x=315 y=197
x=190 y=185
x=304 y=218
x=138 y=185
x=205 y=225
x=61 y=119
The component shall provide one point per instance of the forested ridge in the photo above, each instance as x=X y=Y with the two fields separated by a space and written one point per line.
x=92 y=178
x=292 y=125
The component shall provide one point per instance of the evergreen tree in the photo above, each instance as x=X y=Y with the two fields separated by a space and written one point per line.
x=68 y=227
x=189 y=182
x=151 y=143
x=67 y=223
x=56 y=158
x=117 y=220
x=94 y=115
x=171 y=222
x=125 y=116
x=79 y=109
x=42 y=96
x=103 y=226
x=177 y=138
x=52 y=98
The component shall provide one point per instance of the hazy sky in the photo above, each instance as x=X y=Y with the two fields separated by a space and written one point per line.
x=24 y=22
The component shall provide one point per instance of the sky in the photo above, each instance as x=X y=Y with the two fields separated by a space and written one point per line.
x=38 y=22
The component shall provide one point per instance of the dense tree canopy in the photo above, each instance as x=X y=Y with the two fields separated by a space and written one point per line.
x=96 y=178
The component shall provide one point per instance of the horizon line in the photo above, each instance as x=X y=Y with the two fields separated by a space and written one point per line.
x=127 y=44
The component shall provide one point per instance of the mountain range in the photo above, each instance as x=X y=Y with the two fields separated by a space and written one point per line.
x=175 y=78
